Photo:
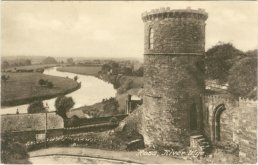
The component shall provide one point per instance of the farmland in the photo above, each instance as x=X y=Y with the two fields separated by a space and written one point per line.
x=23 y=88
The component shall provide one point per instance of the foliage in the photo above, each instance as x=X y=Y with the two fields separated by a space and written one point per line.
x=50 y=84
x=27 y=62
x=114 y=120
x=75 y=78
x=111 y=107
x=219 y=59
x=63 y=104
x=243 y=77
x=4 y=78
x=36 y=107
x=49 y=60
x=13 y=152
x=139 y=72
x=41 y=82
x=46 y=83
x=73 y=121
x=70 y=61
x=105 y=68
x=5 y=64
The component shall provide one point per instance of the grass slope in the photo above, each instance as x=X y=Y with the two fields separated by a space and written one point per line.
x=24 y=86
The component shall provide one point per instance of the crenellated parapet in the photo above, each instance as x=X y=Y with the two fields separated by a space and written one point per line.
x=245 y=102
x=216 y=100
x=166 y=12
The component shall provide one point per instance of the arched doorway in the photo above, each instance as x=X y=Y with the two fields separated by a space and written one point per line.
x=193 y=117
x=216 y=122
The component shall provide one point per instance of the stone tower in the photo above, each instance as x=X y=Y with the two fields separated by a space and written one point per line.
x=174 y=46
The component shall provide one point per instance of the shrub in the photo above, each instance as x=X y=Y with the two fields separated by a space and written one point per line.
x=243 y=78
x=41 y=82
x=113 y=120
x=36 y=107
x=50 y=84
x=63 y=104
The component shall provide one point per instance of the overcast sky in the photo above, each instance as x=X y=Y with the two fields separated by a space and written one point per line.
x=111 y=29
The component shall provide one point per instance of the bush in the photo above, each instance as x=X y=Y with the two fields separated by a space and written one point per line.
x=243 y=78
x=13 y=152
x=73 y=121
x=63 y=104
x=36 y=107
x=50 y=84
x=113 y=120
x=41 y=82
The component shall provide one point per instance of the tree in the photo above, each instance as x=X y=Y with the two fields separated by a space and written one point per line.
x=5 y=64
x=41 y=82
x=105 y=68
x=27 y=62
x=13 y=152
x=4 y=78
x=219 y=59
x=49 y=60
x=36 y=107
x=243 y=77
x=50 y=84
x=139 y=72
x=63 y=104
x=70 y=61
x=75 y=78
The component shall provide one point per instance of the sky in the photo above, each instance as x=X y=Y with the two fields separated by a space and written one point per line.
x=112 y=29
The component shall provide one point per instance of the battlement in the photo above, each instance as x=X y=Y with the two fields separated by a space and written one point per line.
x=247 y=102
x=219 y=99
x=166 y=12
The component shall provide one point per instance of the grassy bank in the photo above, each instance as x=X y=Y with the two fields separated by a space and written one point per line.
x=84 y=70
x=29 y=67
x=23 y=88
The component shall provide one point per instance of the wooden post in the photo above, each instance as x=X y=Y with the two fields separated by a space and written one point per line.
x=46 y=108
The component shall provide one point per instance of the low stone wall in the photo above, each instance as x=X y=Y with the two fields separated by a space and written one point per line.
x=247 y=131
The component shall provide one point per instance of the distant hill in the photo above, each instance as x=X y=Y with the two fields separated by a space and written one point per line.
x=49 y=60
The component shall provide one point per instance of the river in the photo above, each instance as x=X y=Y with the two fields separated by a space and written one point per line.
x=92 y=91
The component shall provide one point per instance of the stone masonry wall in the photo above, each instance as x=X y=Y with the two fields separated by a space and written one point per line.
x=228 y=119
x=176 y=36
x=172 y=85
x=247 y=131
x=173 y=74
x=238 y=124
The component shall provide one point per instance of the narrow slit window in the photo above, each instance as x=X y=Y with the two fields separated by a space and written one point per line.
x=151 y=34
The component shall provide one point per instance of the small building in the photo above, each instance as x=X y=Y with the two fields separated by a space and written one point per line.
x=27 y=127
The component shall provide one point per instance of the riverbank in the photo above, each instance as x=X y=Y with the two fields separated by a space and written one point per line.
x=29 y=68
x=22 y=88
x=84 y=70
x=123 y=84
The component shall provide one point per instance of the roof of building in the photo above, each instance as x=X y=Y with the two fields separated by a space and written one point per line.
x=30 y=122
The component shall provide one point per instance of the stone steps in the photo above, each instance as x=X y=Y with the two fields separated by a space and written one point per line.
x=201 y=144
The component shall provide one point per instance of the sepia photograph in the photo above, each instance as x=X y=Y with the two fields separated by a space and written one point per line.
x=129 y=82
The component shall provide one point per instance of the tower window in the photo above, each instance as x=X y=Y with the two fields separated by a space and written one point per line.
x=151 y=34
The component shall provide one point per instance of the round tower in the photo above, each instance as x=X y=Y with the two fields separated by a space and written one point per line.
x=174 y=46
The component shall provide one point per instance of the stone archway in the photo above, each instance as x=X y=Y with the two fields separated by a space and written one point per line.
x=216 y=122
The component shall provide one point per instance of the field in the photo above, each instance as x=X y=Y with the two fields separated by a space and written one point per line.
x=30 y=67
x=84 y=70
x=24 y=87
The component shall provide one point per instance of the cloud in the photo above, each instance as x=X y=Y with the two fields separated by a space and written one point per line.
x=102 y=35
x=111 y=28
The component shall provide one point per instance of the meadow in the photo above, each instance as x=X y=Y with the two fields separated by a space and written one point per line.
x=29 y=67
x=23 y=88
